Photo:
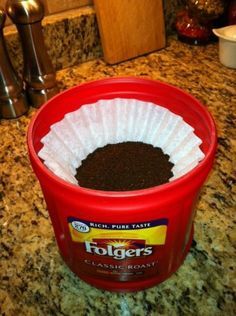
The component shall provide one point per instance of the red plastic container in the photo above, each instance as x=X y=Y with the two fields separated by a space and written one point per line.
x=123 y=241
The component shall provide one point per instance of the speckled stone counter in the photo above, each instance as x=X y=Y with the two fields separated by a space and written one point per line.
x=33 y=278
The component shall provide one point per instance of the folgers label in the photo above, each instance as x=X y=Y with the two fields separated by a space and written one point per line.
x=123 y=251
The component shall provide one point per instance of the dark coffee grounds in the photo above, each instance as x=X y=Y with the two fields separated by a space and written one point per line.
x=124 y=166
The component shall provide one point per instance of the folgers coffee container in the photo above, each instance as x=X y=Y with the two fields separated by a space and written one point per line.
x=130 y=240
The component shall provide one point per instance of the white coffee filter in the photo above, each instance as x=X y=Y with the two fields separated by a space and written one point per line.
x=92 y=126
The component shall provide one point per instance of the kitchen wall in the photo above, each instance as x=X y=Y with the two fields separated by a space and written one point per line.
x=55 y=6
x=170 y=9
x=52 y=6
x=77 y=26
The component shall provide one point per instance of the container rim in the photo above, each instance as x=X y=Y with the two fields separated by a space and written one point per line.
x=100 y=193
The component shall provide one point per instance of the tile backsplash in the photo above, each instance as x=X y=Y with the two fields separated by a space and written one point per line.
x=54 y=6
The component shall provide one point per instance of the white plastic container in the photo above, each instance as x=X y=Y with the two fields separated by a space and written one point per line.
x=227 y=45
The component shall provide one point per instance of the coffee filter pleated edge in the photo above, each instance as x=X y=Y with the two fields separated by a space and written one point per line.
x=81 y=132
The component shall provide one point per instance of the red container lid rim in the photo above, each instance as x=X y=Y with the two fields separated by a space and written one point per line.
x=159 y=188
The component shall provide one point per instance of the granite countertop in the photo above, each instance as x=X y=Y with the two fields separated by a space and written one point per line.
x=33 y=278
